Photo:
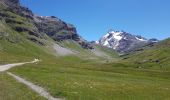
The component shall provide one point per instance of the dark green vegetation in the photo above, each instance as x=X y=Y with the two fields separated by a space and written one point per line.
x=140 y=75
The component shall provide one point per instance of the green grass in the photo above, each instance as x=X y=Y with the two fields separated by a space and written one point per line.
x=76 y=47
x=156 y=57
x=10 y=89
x=76 y=79
x=14 y=47
x=19 y=52
x=71 y=45
x=108 y=51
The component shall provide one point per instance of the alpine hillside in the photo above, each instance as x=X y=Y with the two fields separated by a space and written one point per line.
x=19 y=25
x=45 y=58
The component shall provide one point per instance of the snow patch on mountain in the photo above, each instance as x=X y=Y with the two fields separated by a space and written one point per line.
x=112 y=35
x=141 y=39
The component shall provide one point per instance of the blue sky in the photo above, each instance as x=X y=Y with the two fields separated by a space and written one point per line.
x=93 y=18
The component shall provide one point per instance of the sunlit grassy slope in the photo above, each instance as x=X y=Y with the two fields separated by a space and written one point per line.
x=14 y=46
x=156 y=57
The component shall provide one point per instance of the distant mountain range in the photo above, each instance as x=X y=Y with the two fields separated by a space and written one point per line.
x=124 y=42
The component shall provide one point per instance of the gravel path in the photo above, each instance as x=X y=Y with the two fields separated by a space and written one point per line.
x=8 y=66
x=41 y=91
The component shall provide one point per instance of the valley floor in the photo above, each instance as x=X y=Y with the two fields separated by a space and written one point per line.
x=75 y=79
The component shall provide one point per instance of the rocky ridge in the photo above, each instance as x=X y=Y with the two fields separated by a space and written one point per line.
x=52 y=26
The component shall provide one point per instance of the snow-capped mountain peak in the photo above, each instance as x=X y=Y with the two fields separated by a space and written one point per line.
x=140 y=38
x=116 y=35
x=122 y=41
x=111 y=35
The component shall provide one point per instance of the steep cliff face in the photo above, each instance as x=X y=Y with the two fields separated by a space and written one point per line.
x=10 y=3
x=14 y=6
x=21 y=19
x=59 y=30
x=56 y=28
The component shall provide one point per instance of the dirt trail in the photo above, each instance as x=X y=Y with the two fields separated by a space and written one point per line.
x=41 y=91
x=8 y=66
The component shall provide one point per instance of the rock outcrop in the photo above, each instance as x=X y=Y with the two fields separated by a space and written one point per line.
x=59 y=30
x=54 y=27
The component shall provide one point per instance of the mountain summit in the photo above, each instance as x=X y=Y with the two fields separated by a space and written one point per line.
x=124 y=42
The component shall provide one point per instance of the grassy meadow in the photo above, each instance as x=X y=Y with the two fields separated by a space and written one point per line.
x=10 y=89
x=75 y=79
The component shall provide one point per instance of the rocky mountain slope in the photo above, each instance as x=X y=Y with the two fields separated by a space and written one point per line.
x=38 y=26
x=124 y=42
x=24 y=33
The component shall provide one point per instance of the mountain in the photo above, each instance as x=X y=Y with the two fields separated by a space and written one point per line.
x=59 y=30
x=124 y=42
x=70 y=68
x=21 y=28
x=155 y=57
x=51 y=26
